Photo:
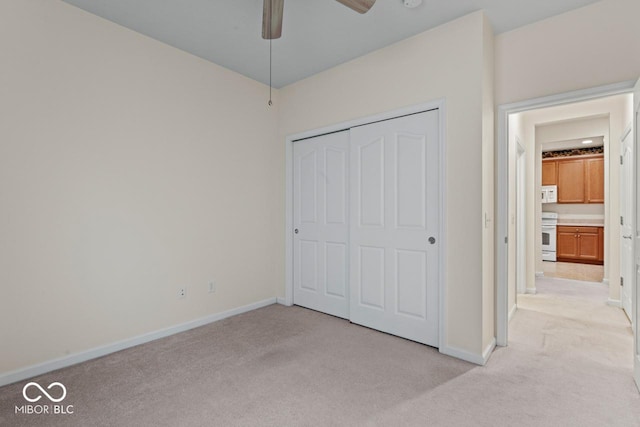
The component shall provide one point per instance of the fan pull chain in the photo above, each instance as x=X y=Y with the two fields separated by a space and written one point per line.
x=270 y=50
x=270 y=67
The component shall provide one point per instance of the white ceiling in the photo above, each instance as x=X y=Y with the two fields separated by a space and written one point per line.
x=598 y=141
x=316 y=35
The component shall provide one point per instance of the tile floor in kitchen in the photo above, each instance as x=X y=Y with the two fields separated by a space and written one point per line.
x=572 y=270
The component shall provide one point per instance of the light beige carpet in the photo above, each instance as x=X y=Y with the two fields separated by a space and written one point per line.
x=569 y=364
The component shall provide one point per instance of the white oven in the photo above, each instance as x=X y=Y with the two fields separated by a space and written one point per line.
x=549 y=227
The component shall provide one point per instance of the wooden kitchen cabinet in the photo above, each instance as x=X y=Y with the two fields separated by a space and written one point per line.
x=594 y=170
x=580 y=244
x=566 y=244
x=549 y=172
x=601 y=244
x=588 y=243
x=571 y=174
x=579 y=179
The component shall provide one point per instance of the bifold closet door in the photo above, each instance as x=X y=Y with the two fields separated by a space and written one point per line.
x=320 y=216
x=394 y=226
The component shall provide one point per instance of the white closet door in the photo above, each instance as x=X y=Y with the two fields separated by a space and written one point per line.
x=320 y=215
x=394 y=225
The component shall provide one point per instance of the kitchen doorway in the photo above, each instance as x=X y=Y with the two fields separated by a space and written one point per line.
x=576 y=162
x=533 y=237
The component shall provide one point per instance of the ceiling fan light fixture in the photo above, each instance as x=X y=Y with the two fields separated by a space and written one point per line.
x=412 y=3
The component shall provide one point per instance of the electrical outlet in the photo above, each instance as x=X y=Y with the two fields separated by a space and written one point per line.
x=182 y=293
x=212 y=286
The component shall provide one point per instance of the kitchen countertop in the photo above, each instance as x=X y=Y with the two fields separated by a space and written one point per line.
x=566 y=223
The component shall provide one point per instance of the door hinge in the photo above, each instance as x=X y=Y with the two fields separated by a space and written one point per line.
x=621 y=220
x=622 y=281
x=622 y=160
x=506 y=240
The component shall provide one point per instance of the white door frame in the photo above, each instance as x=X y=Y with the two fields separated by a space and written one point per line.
x=635 y=301
x=521 y=221
x=502 y=200
x=439 y=104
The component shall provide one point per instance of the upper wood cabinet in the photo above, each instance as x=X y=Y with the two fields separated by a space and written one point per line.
x=571 y=179
x=579 y=179
x=549 y=172
x=595 y=180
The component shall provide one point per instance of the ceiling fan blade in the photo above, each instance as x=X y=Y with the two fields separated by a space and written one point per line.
x=360 y=6
x=272 y=19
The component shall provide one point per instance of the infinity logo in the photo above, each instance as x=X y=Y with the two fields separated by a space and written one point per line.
x=43 y=391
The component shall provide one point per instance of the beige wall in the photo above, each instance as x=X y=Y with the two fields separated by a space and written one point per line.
x=128 y=169
x=588 y=47
x=446 y=62
x=488 y=189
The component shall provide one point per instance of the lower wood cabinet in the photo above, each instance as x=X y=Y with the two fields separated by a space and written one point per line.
x=601 y=244
x=580 y=244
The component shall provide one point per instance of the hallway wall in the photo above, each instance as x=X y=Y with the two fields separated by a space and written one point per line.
x=587 y=47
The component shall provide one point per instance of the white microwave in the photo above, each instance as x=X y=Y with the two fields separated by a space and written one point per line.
x=549 y=194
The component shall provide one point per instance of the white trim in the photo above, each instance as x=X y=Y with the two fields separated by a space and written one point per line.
x=63 y=362
x=488 y=351
x=502 y=231
x=531 y=291
x=605 y=282
x=288 y=229
x=521 y=218
x=439 y=104
x=442 y=290
x=478 y=359
x=502 y=166
x=539 y=273
x=614 y=303
x=513 y=311
x=283 y=301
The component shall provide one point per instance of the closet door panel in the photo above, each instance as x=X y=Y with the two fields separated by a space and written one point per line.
x=320 y=239
x=394 y=226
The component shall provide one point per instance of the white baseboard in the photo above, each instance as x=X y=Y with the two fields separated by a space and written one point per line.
x=539 y=273
x=513 y=311
x=531 y=291
x=605 y=282
x=282 y=301
x=72 y=359
x=486 y=354
x=478 y=359
x=614 y=303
